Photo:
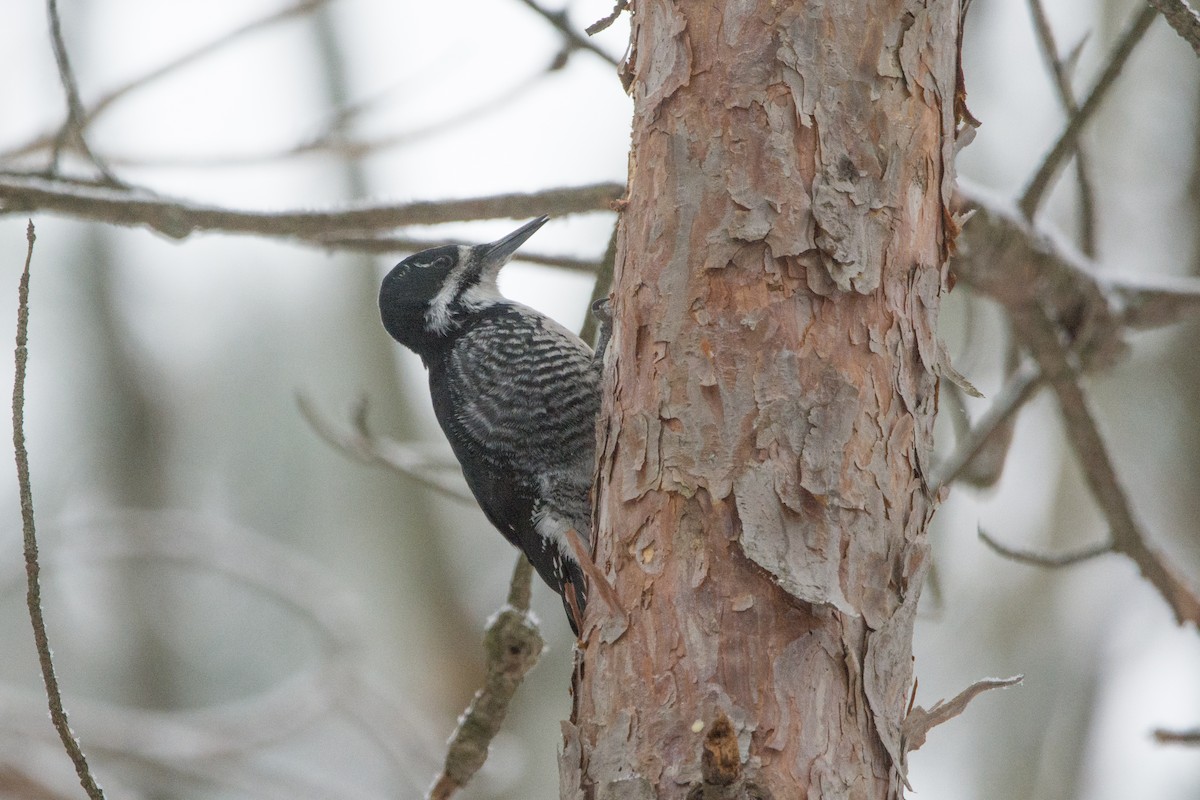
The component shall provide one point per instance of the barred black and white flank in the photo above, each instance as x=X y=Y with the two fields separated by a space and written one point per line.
x=515 y=392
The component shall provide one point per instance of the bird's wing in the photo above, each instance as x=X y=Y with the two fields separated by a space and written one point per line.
x=525 y=392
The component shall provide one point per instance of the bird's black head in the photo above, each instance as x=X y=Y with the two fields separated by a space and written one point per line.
x=430 y=295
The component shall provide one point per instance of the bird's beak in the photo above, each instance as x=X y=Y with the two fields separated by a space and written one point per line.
x=491 y=257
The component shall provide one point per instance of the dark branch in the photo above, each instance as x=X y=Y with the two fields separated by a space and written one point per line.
x=33 y=597
x=1068 y=324
x=1068 y=140
x=602 y=286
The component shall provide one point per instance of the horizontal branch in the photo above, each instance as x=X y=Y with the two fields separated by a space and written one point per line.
x=1189 y=738
x=178 y=218
x=405 y=244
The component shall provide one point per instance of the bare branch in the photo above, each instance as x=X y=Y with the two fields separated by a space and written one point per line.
x=1190 y=738
x=576 y=42
x=1152 y=301
x=1066 y=321
x=1002 y=255
x=919 y=722
x=179 y=218
x=1062 y=81
x=403 y=244
x=1045 y=560
x=1040 y=337
x=1183 y=18
x=367 y=448
x=1021 y=387
x=1068 y=140
x=58 y=715
x=333 y=139
x=605 y=22
x=176 y=741
x=90 y=115
x=513 y=646
x=602 y=286
x=72 y=127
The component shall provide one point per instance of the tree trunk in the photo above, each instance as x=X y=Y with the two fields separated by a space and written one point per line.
x=767 y=430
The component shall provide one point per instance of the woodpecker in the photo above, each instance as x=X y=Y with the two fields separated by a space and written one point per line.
x=516 y=394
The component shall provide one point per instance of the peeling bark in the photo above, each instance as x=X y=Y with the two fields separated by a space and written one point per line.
x=762 y=494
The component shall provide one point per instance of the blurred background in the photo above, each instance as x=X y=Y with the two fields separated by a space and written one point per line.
x=239 y=610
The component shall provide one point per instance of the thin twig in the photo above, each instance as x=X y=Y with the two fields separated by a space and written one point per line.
x=1021 y=387
x=1068 y=140
x=560 y=21
x=404 y=244
x=72 y=127
x=1066 y=96
x=368 y=448
x=58 y=715
x=1183 y=18
x=1044 y=559
x=334 y=140
x=602 y=286
x=179 y=218
x=513 y=646
x=1067 y=323
x=605 y=22
x=102 y=105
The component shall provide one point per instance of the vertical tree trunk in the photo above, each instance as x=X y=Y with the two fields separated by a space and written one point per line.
x=762 y=499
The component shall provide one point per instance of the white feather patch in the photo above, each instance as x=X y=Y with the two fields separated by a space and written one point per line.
x=438 y=315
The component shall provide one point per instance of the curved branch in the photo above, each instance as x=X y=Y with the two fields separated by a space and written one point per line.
x=1045 y=560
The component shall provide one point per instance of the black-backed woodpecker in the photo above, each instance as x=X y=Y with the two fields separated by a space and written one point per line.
x=515 y=392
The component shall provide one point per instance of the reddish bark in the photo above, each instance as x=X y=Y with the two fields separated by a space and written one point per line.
x=762 y=493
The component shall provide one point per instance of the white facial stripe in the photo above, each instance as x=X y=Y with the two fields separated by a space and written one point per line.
x=438 y=315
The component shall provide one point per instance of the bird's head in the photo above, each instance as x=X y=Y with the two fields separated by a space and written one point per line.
x=431 y=293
